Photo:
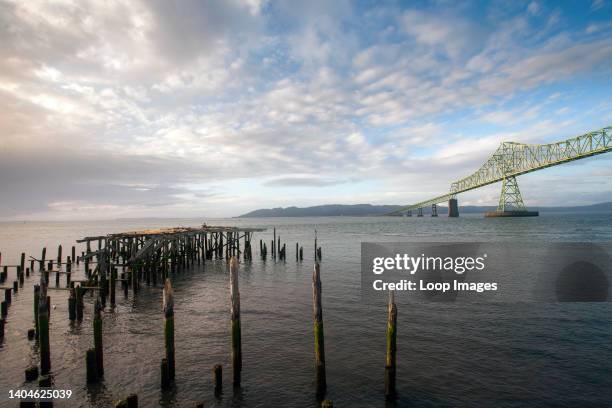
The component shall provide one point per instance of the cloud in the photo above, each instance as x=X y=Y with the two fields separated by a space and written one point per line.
x=303 y=182
x=160 y=107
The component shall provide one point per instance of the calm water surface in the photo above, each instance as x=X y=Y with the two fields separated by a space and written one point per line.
x=449 y=354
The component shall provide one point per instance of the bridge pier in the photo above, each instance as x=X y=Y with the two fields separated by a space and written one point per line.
x=453 y=208
x=511 y=202
x=434 y=210
x=420 y=213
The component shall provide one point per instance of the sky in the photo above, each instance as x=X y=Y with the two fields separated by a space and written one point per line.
x=112 y=109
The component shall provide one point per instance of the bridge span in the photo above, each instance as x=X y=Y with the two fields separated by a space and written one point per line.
x=511 y=160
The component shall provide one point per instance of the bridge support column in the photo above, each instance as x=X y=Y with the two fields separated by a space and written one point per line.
x=409 y=213
x=510 y=201
x=434 y=210
x=420 y=213
x=453 y=208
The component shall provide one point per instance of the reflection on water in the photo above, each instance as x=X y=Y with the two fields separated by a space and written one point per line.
x=448 y=354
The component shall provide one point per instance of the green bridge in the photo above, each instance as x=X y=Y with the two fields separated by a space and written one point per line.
x=509 y=161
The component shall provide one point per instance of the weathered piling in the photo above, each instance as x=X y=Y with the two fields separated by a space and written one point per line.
x=165 y=375
x=113 y=278
x=36 y=302
x=315 y=246
x=130 y=402
x=301 y=253
x=8 y=297
x=90 y=361
x=274 y=248
x=319 y=336
x=3 y=309
x=218 y=378
x=42 y=259
x=78 y=294
x=297 y=252
x=390 y=362
x=168 y=304
x=1 y=328
x=59 y=255
x=72 y=305
x=43 y=330
x=97 y=331
x=31 y=373
x=235 y=322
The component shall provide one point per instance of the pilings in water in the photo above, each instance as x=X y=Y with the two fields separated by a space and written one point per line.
x=218 y=378
x=98 y=345
x=168 y=363
x=319 y=336
x=43 y=329
x=235 y=322
x=391 y=357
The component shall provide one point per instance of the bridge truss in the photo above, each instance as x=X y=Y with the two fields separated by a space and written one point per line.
x=512 y=159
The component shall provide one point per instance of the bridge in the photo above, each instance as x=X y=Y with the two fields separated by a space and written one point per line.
x=511 y=160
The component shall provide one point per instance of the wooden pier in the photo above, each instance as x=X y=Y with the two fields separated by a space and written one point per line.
x=152 y=256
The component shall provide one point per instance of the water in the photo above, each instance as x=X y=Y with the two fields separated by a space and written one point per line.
x=448 y=354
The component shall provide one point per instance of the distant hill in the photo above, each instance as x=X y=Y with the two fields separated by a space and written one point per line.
x=361 y=210
x=330 y=210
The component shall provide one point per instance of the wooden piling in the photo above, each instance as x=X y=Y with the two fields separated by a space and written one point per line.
x=59 y=255
x=319 y=336
x=78 y=293
x=315 y=246
x=235 y=322
x=390 y=362
x=3 y=309
x=97 y=330
x=218 y=378
x=169 y=328
x=31 y=373
x=43 y=331
x=90 y=361
x=42 y=259
x=130 y=402
x=113 y=278
x=1 y=328
x=72 y=305
x=36 y=302
x=165 y=375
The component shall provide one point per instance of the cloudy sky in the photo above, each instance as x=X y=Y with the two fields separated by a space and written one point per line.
x=213 y=108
